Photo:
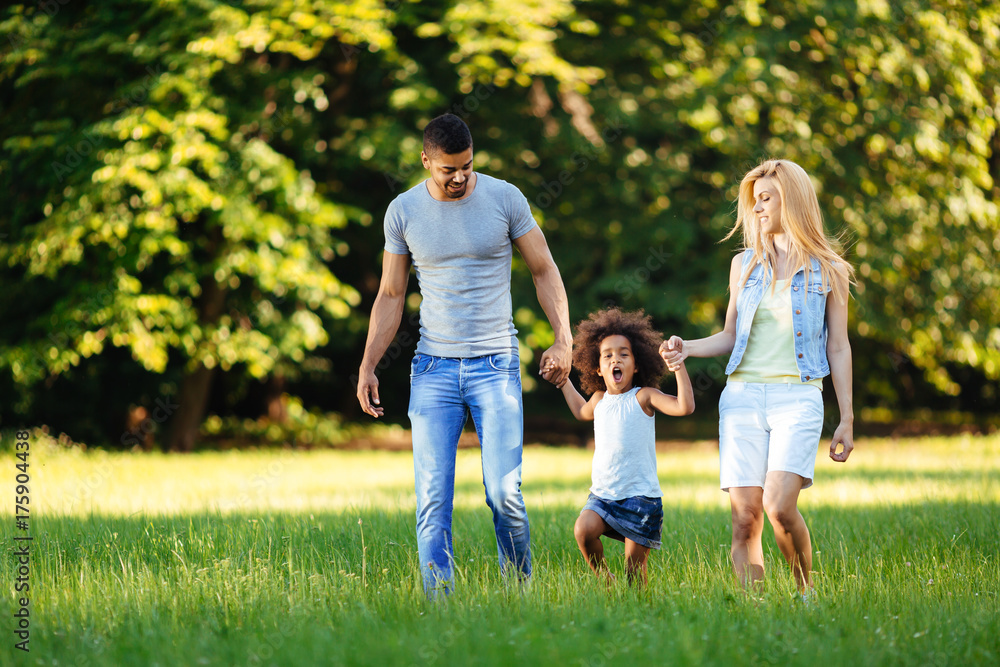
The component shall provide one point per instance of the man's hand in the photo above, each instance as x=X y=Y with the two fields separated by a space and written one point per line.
x=556 y=363
x=368 y=393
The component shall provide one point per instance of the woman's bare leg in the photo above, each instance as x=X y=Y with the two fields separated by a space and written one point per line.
x=748 y=523
x=781 y=496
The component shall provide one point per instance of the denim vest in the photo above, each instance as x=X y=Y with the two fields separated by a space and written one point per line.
x=808 y=318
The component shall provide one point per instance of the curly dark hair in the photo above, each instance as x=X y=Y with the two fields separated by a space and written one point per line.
x=634 y=325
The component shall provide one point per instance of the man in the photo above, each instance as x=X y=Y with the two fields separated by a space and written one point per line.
x=458 y=228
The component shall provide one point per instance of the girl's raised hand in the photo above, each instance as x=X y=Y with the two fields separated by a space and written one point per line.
x=673 y=352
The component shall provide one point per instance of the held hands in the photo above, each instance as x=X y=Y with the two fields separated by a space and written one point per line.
x=368 y=393
x=844 y=435
x=556 y=363
x=674 y=352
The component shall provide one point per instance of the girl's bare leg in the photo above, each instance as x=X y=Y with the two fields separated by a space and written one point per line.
x=588 y=530
x=635 y=563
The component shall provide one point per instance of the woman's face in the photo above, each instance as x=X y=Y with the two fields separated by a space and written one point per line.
x=767 y=205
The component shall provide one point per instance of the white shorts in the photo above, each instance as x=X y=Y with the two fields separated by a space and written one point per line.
x=765 y=428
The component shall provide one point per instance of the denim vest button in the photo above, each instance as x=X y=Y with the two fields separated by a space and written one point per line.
x=807 y=377
x=799 y=333
x=798 y=312
x=796 y=288
x=800 y=355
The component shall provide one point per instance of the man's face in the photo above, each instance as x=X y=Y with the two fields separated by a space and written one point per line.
x=449 y=172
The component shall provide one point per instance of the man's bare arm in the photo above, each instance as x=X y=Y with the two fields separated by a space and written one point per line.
x=382 y=326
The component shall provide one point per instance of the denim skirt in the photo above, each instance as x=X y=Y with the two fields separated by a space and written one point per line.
x=638 y=518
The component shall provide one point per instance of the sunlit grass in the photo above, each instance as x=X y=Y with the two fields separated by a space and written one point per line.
x=80 y=483
x=283 y=557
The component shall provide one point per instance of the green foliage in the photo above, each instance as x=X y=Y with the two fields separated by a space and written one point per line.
x=169 y=198
x=892 y=110
x=201 y=184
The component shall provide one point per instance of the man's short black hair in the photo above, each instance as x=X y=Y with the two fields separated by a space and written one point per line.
x=447 y=134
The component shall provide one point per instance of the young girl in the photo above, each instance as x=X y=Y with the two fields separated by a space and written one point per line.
x=617 y=355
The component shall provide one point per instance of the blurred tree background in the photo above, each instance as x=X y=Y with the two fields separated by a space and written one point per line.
x=193 y=190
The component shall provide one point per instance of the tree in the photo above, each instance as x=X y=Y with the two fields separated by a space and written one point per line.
x=164 y=225
x=197 y=187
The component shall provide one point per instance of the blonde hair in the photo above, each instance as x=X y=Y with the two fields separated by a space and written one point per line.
x=801 y=222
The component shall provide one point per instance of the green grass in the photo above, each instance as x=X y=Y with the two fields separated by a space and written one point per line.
x=258 y=558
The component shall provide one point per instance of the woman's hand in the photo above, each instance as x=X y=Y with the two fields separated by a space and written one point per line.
x=844 y=435
x=674 y=352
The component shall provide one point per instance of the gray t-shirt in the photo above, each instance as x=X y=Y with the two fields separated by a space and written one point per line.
x=462 y=252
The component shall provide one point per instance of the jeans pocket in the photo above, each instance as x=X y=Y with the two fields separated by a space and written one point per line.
x=421 y=363
x=505 y=363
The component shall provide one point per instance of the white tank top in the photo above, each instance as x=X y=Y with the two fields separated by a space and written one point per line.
x=624 y=449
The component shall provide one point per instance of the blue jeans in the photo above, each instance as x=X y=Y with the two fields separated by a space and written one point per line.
x=442 y=391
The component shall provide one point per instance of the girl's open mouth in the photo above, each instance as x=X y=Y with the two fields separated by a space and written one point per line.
x=616 y=373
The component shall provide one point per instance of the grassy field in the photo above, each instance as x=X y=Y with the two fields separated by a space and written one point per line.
x=308 y=558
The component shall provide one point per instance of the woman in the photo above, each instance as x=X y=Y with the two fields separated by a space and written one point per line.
x=786 y=329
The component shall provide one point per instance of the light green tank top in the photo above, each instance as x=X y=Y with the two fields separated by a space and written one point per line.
x=770 y=353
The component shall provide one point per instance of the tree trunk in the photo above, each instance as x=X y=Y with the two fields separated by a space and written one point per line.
x=192 y=398
x=277 y=409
